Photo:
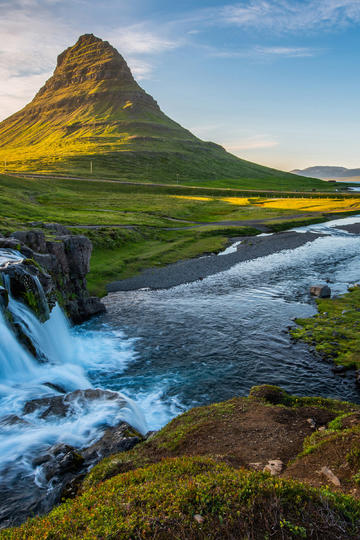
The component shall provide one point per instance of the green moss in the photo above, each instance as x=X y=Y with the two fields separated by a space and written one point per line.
x=335 y=330
x=160 y=501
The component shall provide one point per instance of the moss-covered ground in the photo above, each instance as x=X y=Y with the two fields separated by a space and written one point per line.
x=335 y=330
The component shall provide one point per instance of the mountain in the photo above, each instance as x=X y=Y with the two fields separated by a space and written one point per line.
x=328 y=173
x=92 y=116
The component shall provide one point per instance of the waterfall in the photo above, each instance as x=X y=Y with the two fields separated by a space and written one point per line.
x=61 y=364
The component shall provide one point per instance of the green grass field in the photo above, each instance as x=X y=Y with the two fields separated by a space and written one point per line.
x=137 y=226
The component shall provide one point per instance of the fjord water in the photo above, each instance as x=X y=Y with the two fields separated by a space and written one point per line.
x=168 y=350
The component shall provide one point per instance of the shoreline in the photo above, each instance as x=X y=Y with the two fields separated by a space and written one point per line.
x=190 y=270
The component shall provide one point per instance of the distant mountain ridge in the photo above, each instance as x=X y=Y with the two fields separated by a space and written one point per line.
x=92 y=115
x=328 y=172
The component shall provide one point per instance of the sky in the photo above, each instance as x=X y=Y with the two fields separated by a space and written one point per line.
x=273 y=81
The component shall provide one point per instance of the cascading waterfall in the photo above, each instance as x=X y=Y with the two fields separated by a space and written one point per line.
x=63 y=361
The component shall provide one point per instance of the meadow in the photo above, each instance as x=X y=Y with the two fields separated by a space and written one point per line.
x=137 y=226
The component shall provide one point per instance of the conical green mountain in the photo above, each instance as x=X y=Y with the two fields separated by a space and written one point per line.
x=91 y=115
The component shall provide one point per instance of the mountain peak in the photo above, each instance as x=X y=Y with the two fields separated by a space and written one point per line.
x=90 y=60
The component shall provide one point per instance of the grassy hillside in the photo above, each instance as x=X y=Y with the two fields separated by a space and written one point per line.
x=91 y=114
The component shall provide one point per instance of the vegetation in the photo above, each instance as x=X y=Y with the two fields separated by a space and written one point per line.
x=185 y=482
x=134 y=227
x=334 y=331
x=197 y=498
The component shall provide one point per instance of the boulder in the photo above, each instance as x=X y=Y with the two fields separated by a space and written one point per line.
x=321 y=291
x=120 y=438
x=58 y=461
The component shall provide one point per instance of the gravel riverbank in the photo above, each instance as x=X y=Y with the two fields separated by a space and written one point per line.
x=190 y=270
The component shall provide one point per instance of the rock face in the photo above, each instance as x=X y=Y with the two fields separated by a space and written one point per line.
x=60 y=264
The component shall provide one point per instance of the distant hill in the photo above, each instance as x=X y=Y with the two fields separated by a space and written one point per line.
x=328 y=173
x=92 y=116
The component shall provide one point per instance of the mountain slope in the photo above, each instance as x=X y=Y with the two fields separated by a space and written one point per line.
x=92 y=114
x=328 y=172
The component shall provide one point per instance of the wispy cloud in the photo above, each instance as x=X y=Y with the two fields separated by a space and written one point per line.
x=276 y=52
x=291 y=15
x=254 y=142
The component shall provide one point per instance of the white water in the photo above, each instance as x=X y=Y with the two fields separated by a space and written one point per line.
x=66 y=361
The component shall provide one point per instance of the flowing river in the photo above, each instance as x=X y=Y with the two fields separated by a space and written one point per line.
x=168 y=350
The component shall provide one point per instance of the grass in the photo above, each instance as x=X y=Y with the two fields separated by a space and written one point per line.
x=197 y=498
x=151 y=214
x=335 y=330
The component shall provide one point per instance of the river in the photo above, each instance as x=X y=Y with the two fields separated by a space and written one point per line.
x=168 y=350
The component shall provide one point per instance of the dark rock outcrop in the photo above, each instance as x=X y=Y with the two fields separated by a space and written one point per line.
x=60 y=264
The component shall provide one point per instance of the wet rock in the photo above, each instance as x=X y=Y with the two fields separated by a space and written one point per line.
x=321 y=291
x=274 y=467
x=55 y=387
x=50 y=406
x=65 y=405
x=59 y=460
x=4 y=297
x=116 y=439
x=12 y=420
x=339 y=369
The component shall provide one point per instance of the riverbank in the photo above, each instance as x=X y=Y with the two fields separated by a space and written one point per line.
x=191 y=270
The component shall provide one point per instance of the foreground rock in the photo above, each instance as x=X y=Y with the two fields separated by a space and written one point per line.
x=60 y=264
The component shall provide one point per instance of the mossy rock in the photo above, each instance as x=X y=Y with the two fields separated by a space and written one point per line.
x=271 y=394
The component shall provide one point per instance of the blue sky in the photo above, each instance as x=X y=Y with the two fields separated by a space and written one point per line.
x=274 y=81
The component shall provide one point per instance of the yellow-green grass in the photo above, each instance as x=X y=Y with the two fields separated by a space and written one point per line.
x=335 y=330
x=147 y=209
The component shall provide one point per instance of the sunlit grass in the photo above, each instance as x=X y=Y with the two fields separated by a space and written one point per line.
x=313 y=205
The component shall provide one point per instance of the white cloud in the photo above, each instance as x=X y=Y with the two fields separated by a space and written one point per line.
x=250 y=143
x=138 y=39
x=291 y=15
x=286 y=52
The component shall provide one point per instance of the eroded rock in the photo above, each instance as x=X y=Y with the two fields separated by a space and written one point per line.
x=321 y=291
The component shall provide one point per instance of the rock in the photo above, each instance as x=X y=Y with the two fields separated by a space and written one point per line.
x=59 y=460
x=321 y=291
x=311 y=422
x=274 y=467
x=357 y=379
x=4 y=297
x=339 y=369
x=257 y=466
x=78 y=251
x=199 y=519
x=63 y=405
x=65 y=263
x=11 y=420
x=330 y=476
x=34 y=239
x=322 y=428
x=116 y=439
